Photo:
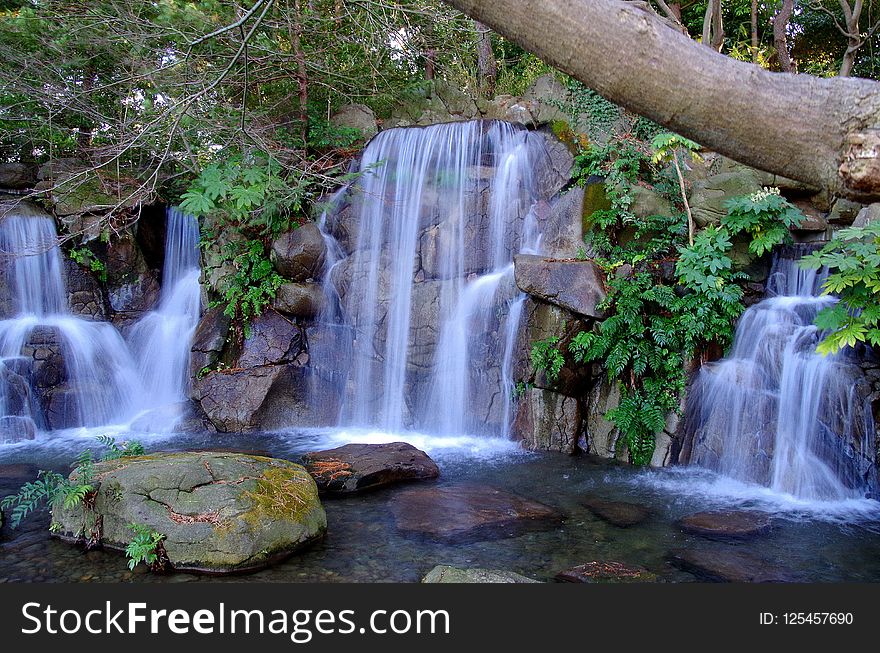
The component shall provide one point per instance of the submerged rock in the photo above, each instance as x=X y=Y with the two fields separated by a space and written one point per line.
x=575 y=285
x=447 y=574
x=359 y=467
x=728 y=566
x=617 y=513
x=726 y=524
x=606 y=572
x=219 y=512
x=469 y=513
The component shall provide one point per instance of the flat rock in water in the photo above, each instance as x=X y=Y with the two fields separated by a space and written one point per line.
x=469 y=513
x=726 y=524
x=617 y=513
x=729 y=566
x=218 y=512
x=359 y=467
x=606 y=572
x=447 y=574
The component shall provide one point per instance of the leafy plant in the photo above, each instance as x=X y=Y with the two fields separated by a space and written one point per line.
x=853 y=260
x=51 y=487
x=252 y=285
x=85 y=258
x=546 y=356
x=146 y=547
x=668 y=147
x=766 y=216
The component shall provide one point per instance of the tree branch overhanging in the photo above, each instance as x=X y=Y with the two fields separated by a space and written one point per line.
x=825 y=132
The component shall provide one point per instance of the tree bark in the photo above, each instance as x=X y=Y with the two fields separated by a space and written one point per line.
x=302 y=76
x=825 y=132
x=780 y=35
x=713 y=26
x=755 y=31
x=854 y=40
x=487 y=69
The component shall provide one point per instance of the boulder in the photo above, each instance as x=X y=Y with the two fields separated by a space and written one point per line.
x=209 y=340
x=299 y=254
x=447 y=574
x=575 y=285
x=708 y=196
x=273 y=339
x=647 y=202
x=84 y=295
x=509 y=108
x=563 y=228
x=553 y=171
x=814 y=220
x=231 y=400
x=218 y=512
x=468 y=513
x=547 y=421
x=844 y=211
x=606 y=572
x=727 y=524
x=457 y=103
x=617 y=513
x=358 y=467
x=302 y=300
x=868 y=214
x=727 y=565
x=603 y=437
x=17 y=176
x=545 y=97
x=356 y=116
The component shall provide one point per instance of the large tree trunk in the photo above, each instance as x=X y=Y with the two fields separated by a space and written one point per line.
x=754 y=15
x=825 y=132
x=780 y=35
x=854 y=40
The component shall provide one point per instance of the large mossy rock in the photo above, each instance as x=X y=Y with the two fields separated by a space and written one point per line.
x=447 y=574
x=356 y=116
x=219 y=512
x=708 y=196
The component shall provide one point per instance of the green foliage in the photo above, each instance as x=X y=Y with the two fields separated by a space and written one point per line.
x=85 y=258
x=666 y=145
x=853 y=260
x=325 y=135
x=546 y=356
x=252 y=285
x=245 y=193
x=51 y=487
x=766 y=216
x=144 y=546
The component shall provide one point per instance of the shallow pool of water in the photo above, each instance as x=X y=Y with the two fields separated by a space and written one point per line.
x=809 y=541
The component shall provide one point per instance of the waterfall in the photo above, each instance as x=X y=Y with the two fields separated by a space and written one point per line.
x=40 y=339
x=161 y=339
x=775 y=412
x=58 y=370
x=426 y=308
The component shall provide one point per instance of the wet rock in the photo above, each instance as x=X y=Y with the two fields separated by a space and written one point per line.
x=617 y=513
x=219 y=512
x=868 y=214
x=302 y=300
x=547 y=421
x=603 y=436
x=273 y=339
x=469 y=513
x=358 y=467
x=844 y=211
x=299 y=254
x=15 y=428
x=606 y=572
x=84 y=296
x=209 y=340
x=17 y=176
x=232 y=400
x=726 y=524
x=545 y=95
x=553 y=170
x=447 y=574
x=575 y=285
x=728 y=565
x=563 y=229
x=814 y=220
x=356 y=116
x=15 y=392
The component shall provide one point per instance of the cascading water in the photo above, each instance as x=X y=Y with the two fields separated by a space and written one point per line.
x=161 y=339
x=776 y=413
x=39 y=337
x=58 y=370
x=426 y=292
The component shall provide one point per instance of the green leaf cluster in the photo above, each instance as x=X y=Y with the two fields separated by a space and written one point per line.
x=546 y=356
x=144 y=546
x=853 y=260
x=251 y=286
x=766 y=216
